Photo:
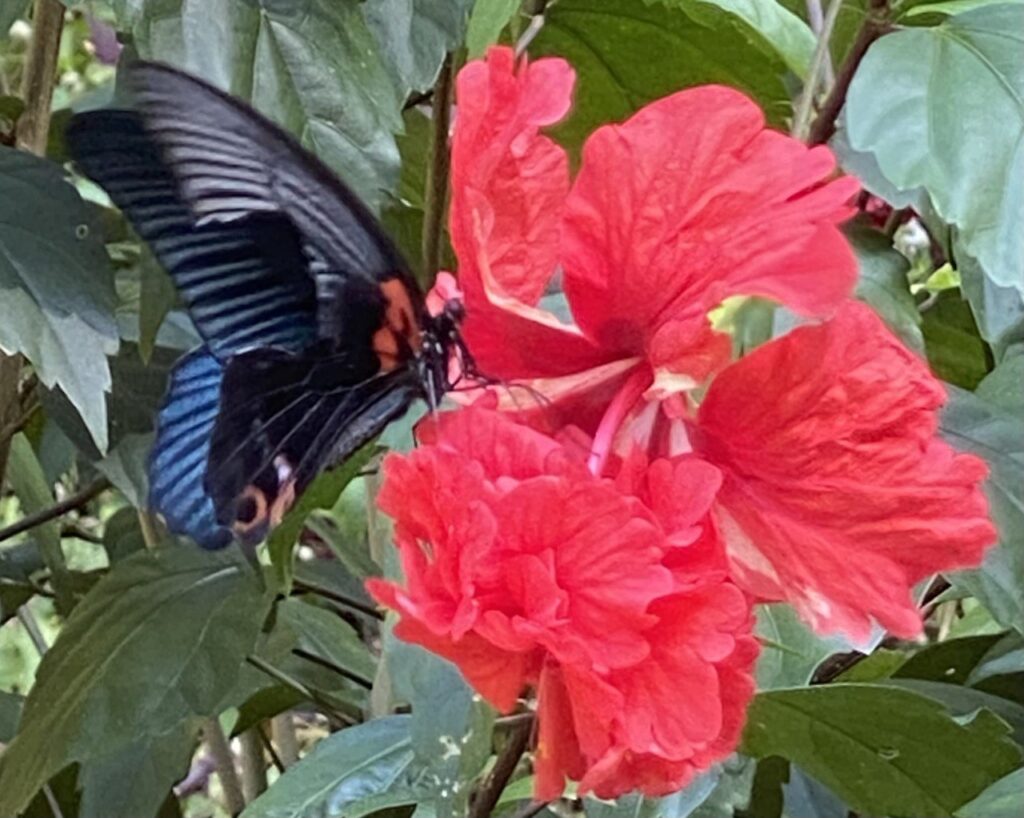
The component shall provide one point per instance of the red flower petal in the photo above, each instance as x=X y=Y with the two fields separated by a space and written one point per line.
x=692 y=200
x=508 y=188
x=838 y=497
x=498 y=675
x=602 y=562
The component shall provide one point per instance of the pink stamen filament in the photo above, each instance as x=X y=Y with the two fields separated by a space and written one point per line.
x=625 y=399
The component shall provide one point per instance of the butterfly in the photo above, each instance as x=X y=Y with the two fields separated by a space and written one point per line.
x=316 y=334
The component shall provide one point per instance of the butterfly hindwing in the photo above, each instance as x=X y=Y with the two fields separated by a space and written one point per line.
x=178 y=462
x=285 y=417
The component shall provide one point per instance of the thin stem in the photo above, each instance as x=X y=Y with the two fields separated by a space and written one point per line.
x=802 y=120
x=268 y=745
x=282 y=728
x=816 y=19
x=75 y=501
x=254 y=766
x=362 y=681
x=306 y=693
x=10 y=374
x=224 y=760
x=40 y=75
x=487 y=796
x=336 y=596
x=149 y=532
x=437 y=172
x=874 y=26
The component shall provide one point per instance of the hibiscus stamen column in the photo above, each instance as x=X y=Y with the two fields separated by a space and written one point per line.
x=626 y=398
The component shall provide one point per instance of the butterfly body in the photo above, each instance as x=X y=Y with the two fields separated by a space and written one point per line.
x=316 y=334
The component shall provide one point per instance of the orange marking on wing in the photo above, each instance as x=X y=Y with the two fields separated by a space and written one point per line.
x=385 y=344
x=255 y=494
x=399 y=314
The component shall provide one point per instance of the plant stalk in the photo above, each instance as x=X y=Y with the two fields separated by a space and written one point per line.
x=436 y=193
x=220 y=749
x=875 y=25
x=486 y=798
x=805 y=106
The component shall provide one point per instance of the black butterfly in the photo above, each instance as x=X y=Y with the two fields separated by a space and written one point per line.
x=316 y=333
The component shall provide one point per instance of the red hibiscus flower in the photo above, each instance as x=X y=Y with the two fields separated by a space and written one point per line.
x=837 y=496
x=525 y=569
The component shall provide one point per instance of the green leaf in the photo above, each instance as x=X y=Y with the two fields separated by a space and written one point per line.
x=1001 y=800
x=955 y=350
x=790 y=36
x=952 y=7
x=792 y=651
x=1002 y=387
x=883 y=284
x=122 y=535
x=964 y=702
x=627 y=53
x=323 y=493
x=156 y=298
x=999 y=311
x=33 y=490
x=413 y=37
x=137 y=779
x=972 y=424
x=486 y=22
x=884 y=751
x=953 y=125
x=327 y=635
x=158 y=640
x=351 y=773
x=310 y=65
x=56 y=285
x=951 y=661
x=451 y=727
x=803 y=796
x=10 y=712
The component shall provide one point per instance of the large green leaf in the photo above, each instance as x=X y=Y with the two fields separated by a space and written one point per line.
x=972 y=424
x=137 y=779
x=160 y=639
x=955 y=349
x=351 y=773
x=953 y=124
x=413 y=37
x=627 y=53
x=311 y=65
x=56 y=284
x=882 y=750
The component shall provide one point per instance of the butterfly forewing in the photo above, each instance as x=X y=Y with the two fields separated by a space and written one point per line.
x=311 y=321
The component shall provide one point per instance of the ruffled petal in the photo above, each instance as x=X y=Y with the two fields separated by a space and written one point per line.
x=692 y=200
x=838 y=496
x=508 y=189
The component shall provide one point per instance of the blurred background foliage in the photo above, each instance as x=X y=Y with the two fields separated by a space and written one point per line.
x=178 y=682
